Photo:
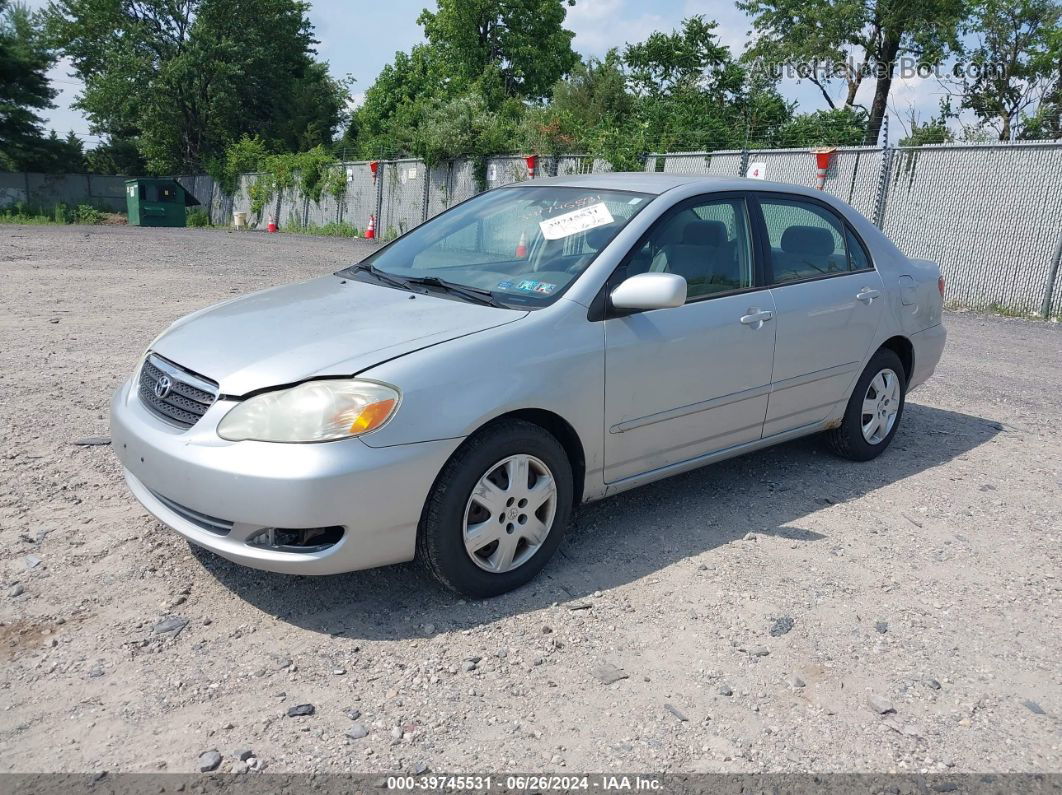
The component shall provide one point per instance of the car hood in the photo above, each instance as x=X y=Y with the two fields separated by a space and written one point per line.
x=327 y=326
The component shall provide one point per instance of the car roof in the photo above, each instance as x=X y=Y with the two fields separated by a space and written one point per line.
x=659 y=182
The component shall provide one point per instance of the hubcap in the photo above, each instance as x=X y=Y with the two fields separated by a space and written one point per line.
x=510 y=513
x=880 y=406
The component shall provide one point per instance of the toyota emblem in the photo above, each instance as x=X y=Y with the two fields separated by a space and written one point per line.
x=163 y=386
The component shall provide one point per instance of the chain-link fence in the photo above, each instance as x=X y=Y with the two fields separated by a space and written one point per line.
x=990 y=214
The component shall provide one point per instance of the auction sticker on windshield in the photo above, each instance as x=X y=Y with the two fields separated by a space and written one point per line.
x=576 y=221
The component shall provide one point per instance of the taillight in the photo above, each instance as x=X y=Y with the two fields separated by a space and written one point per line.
x=940 y=285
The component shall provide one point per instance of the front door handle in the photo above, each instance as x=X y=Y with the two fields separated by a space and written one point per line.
x=867 y=295
x=756 y=317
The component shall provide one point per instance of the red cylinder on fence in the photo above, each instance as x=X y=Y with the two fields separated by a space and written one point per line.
x=373 y=166
x=822 y=165
x=532 y=164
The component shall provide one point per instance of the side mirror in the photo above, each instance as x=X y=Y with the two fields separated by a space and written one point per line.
x=650 y=291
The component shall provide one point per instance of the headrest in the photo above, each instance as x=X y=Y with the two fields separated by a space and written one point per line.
x=813 y=240
x=705 y=233
x=598 y=237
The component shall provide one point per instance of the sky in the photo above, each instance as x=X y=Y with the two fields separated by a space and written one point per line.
x=360 y=38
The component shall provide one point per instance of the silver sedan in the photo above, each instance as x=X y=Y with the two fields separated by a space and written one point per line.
x=456 y=395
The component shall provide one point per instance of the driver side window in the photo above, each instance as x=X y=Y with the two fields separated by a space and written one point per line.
x=706 y=242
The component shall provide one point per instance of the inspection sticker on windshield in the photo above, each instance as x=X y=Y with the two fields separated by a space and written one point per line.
x=576 y=221
x=528 y=286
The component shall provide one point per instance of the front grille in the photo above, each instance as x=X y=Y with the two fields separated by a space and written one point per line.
x=184 y=400
x=220 y=527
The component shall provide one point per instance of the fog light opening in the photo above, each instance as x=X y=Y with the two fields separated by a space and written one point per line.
x=285 y=539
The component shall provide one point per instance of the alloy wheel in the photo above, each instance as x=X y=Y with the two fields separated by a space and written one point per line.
x=510 y=513
x=881 y=404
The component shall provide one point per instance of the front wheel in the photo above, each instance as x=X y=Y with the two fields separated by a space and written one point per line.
x=498 y=510
x=874 y=409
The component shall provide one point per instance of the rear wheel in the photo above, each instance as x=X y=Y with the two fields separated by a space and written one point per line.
x=874 y=409
x=498 y=510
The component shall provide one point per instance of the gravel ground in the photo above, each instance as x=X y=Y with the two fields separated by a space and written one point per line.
x=786 y=611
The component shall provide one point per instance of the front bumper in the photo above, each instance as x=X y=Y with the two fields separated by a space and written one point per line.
x=219 y=494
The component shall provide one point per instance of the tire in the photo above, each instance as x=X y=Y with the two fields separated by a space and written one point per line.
x=849 y=440
x=499 y=513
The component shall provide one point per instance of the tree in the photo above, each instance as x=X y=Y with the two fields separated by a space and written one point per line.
x=827 y=40
x=524 y=40
x=184 y=78
x=693 y=95
x=934 y=131
x=1013 y=61
x=395 y=104
x=117 y=154
x=24 y=90
x=594 y=93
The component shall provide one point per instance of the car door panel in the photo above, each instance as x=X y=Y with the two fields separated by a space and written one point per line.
x=683 y=382
x=826 y=319
x=687 y=381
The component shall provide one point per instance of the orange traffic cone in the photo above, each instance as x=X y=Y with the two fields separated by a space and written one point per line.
x=370 y=230
x=521 y=247
x=272 y=227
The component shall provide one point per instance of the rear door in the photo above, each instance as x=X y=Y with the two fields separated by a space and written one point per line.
x=829 y=301
x=689 y=380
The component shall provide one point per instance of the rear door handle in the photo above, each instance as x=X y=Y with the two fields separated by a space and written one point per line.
x=867 y=295
x=756 y=317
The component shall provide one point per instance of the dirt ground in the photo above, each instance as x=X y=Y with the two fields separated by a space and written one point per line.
x=786 y=611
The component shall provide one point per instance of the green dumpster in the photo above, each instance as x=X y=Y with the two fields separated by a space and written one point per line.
x=156 y=201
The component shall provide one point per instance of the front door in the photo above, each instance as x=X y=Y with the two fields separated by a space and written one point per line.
x=690 y=380
x=829 y=302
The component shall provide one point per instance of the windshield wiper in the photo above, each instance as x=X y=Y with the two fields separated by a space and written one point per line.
x=383 y=276
x=476 y=294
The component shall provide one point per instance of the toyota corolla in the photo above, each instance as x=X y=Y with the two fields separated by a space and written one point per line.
x=457 y=394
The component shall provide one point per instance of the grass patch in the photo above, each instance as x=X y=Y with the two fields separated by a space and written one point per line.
x=198 y=218
x=21 y=213
x=333 y=229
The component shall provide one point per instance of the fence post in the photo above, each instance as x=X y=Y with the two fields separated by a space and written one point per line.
x=381 y=169
x=1052 y=276
x=883 y=177
x=425 y=195
x=883 y=186
x=743 y=169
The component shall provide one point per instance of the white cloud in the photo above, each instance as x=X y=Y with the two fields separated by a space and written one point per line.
x=601 y=24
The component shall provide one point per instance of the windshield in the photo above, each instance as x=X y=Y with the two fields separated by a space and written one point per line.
x=523 y=246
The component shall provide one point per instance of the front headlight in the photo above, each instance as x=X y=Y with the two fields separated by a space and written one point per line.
x=317 y=411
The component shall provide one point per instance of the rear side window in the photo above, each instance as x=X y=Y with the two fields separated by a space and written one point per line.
x=858 y=259
x=806 y=241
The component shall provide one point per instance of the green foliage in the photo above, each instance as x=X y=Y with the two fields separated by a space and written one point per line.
x=20 y=213
x=87 y=214
x=465 y=125
x=335 y=182
x=332 y=229
x=839 y=127
x=861 y=35
x=313 y=172
x=523 y=40
x=198 y=217
x=117 y=155
x=60 y=213
x=244 y=156
x=25 y=60
x=185 y=79
x=929 y=133
x=1018 y=55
